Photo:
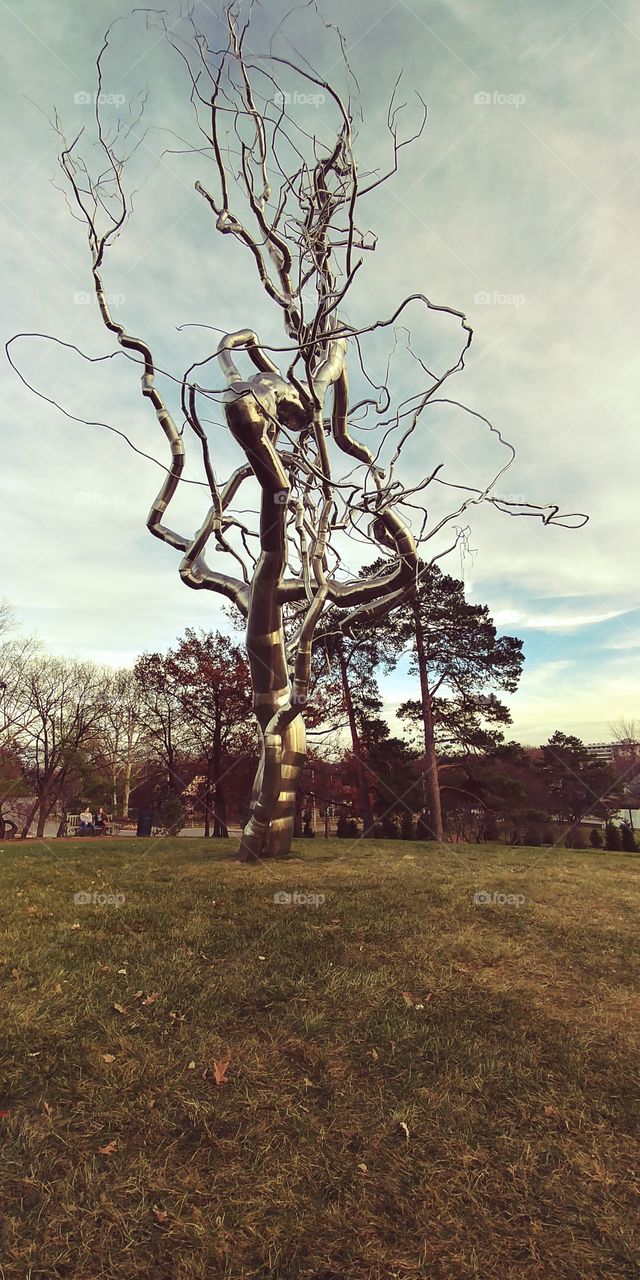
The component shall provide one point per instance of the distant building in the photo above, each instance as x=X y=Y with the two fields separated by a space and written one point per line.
x=612 y=751
x=602 y=750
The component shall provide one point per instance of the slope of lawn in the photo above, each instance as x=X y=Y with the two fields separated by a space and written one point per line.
x=418 y=1084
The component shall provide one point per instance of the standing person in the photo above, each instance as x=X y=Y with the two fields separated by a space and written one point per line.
x=100 y=822
x=86 y=822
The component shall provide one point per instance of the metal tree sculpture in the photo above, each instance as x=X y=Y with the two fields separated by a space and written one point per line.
x=319 y=484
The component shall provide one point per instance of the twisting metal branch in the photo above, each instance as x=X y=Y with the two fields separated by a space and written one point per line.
x=320 y=486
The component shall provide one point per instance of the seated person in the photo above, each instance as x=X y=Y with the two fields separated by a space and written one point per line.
x=101 y=822
x=86 y=822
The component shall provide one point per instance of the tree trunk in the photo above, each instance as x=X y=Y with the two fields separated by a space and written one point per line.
x=432 y=782
x=28 y=820
x=207 y=803
x=220 y=828
x=43 y=814
x=220 y=813
x=126 y=789
x=365 y=803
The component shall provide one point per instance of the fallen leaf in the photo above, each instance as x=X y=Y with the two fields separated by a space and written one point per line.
x=119 y=1008
x=220 y=1070
x=152 y=998
x=108 y=1057
x=404 y=1127
x=76 y=925
x=551 y=1111
x=191 y=1066
x=262 y=957
x=122 y=971
x=408 y=998
x=375 y=1055
x=137 y=994
x=57 y=989
x=4 y=1114
x=47 y=1108
x=363 y=1168
x=31 y=911
x=104 y=968
x=307 y=1082
x=109 y=1149
x=159 y=1215
x=15 y=973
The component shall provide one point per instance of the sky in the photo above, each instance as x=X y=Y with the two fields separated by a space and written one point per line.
x=517 y=206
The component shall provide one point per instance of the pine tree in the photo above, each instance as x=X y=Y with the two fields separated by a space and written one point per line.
x=627 y=838
x=612 y=838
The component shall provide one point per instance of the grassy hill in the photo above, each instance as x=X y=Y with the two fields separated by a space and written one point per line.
x=420 y=1084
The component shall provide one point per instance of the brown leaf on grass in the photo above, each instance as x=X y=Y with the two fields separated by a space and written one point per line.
x=32 y=911
x=119 y=1008
x=15 y=973
x=57 y=990
x=191 y=1066
x=48 y=1110
x=4 y=1114
x=160 y=1216
x=408 y=998
x=152 y=998
x=220 y=1071
x=108 y=1057
x=76 y=925
x=375 y=1055
x=109 y=1150
x=104 y=968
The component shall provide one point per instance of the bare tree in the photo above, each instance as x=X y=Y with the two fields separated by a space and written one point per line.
x=289 y=198
x=626 y=733
x=56 y=712
x=122 y=738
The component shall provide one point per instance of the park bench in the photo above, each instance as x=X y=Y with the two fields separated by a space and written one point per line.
x=116 y=826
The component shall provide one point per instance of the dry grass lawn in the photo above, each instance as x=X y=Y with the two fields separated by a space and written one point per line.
x=418 y=1085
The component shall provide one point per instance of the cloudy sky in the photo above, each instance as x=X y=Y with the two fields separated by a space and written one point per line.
x=518 y=206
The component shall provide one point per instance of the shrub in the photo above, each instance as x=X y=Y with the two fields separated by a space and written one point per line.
x=611 y=837
x=390 y=827
x=407 y=826
x=490 y=829
x=627 y=838
x=423 y=826
x=171 y=814
x=595 y=838
x=531 y=835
